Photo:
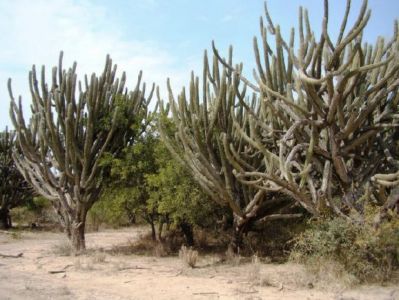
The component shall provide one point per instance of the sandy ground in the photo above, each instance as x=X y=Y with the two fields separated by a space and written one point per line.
x=102 y=275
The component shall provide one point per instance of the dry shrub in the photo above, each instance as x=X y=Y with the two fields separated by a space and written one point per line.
x=84 y=264
x=211 y=241
x=188 y=256
x=63 y=248
x=339 y=246
x=160 y=250
x=16 y=235
x=276 y=275
x=118 y=265
x=236 y=259
x=98 y=257
x=202 y=238
x=144 y=245
x=88 y=261
x=254 y=275
x=173 y=240
x=273 y=241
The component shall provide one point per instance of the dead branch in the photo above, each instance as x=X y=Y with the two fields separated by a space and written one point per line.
x=11 y=256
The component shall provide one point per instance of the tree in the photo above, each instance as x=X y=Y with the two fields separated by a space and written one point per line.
x=145 y=181
x=326 y=125
x=126 y=184
x=177 y=197
x=71 y=128
x=14 y=190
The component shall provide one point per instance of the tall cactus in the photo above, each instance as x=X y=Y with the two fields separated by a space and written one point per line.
x=72 y=126
x=14 y=190
x=208 y=123
x=327 y=122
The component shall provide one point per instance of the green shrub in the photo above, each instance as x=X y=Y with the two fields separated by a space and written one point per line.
x=359 y=249
x=23 y=216
x=37 y=211
x=110 y=210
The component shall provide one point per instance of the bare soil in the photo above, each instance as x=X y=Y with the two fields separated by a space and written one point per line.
x=42 y=273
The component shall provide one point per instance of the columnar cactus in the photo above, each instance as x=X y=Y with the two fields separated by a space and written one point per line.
x=72 y=126
x=326 y=122
x=211 y=125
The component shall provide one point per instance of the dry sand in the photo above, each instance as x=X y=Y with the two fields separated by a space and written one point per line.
x=102 y=275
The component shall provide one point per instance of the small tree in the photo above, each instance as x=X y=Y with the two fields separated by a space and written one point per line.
x=126 y=185
x=68 y=134
x=177 y=196
x=146 y=182
x=14 y=190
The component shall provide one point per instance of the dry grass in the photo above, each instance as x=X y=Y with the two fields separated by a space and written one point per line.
x=83 y=264
x=63 y=248
x=254 y=275
x=234 y=259
x=202 y=238
x=98 y=257
x=330 y=274
x=160 y=250
x=188 y=256
x=89 y=261
x=144 y=245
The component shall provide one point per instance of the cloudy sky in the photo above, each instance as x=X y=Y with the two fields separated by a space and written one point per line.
x=162 y=38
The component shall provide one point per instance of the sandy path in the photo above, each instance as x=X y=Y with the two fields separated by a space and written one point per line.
x=106 y=276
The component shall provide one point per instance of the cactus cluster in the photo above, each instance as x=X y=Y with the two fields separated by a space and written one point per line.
x=315 y=133
x=319 y=129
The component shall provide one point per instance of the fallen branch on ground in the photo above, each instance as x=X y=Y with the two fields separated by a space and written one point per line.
x=134 y=268
x=57 y=272
x=11 y=256
x=206 y=293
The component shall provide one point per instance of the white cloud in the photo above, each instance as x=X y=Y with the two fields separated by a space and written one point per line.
x=35 y=32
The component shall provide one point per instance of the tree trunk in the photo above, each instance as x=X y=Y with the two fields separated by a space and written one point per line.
x=153 y=232
x=5 y=219
x=76 y=232
x=132 y=219
x=78 y=238
x=160 y=228
x=236 y=243
x=188 y=233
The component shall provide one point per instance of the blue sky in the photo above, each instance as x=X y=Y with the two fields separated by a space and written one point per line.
x=163 y=38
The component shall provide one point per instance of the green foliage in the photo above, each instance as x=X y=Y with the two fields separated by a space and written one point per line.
x=14 y=190
x=22 y=215
x=38 y=204
x=174 y=193
x=126 y=191
x=363 y=251
x=146 y=181
x=37 y=210
x=110 y=209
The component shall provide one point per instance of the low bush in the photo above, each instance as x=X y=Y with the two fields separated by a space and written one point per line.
x=39 y=211
x=367 y=253
x=63 y=248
